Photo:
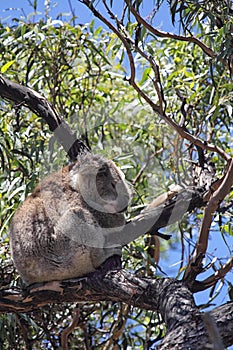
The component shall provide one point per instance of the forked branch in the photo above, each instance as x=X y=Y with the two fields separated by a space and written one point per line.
x=130 y=47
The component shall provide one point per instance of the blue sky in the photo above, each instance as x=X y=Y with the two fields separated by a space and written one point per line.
x=15 y=8
x=22 y=8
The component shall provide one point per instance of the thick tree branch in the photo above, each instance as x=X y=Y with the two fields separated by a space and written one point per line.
x=169 y=297
x=151 y=220
x=99 y=286
x=24 y=96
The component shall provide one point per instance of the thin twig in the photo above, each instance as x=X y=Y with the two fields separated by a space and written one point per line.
x=117 y=328
x=162 y=34
x=179 y=129
x=213 y=279
x=139 y=174
x=68 y=330
x=156 y=80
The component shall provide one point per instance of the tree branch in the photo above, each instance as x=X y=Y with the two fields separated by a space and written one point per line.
x=69 y=329
x=180 y=314
x=202 y=243
x=24 y=96
x=162 y=34
x=156 y=108
x=198 y=286
x=151 y=220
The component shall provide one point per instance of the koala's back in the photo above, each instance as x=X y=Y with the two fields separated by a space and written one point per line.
x=42 y=244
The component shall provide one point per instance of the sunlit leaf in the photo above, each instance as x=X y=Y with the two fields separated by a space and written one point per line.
x=7 y=65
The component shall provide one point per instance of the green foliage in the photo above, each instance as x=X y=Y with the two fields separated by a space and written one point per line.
x=81 y=70
x=216 y=12
x=70 y=67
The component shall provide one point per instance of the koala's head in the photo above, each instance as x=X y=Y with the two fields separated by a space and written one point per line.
x=100 y=183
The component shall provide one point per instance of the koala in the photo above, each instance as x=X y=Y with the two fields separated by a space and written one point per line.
x=61 y=229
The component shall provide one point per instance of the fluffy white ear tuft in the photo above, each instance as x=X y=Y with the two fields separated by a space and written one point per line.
x=74 y=180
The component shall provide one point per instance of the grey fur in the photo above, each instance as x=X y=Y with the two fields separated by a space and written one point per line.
x=60 y=231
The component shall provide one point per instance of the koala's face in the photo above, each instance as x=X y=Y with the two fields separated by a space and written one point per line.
x=112 y=188
x=101 y=185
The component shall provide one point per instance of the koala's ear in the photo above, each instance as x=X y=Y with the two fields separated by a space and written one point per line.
x=74 y=180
